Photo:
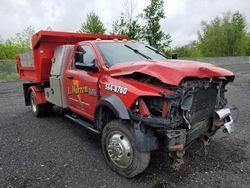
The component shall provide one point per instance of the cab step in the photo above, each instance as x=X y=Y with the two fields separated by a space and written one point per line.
x=83 y=123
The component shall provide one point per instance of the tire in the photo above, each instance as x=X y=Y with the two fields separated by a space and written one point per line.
x=38 y=110
x=49 y=109
x=125 y=160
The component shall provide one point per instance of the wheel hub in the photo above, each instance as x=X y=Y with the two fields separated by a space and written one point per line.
x=33 y=104
x=119 y=150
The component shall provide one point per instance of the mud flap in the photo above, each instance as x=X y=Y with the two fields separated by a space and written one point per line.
x=145 y=139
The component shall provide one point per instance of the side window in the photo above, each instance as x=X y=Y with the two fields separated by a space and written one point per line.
x=85 y=55
x=89 y=56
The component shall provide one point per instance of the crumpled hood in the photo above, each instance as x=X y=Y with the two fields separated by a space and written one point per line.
x=171 y=71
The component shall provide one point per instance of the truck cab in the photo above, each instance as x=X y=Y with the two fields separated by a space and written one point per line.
x=127 y=91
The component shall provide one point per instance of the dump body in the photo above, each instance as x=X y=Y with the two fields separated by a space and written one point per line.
x=35 y=65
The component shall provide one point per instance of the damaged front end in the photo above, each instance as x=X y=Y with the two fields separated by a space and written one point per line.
x=195 y=110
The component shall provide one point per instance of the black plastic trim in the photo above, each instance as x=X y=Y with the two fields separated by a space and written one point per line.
x=115 y=104
x=26 y=87
x=145 y=138
x=150 y=121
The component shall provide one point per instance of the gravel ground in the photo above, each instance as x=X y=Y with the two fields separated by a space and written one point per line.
x=55 y=152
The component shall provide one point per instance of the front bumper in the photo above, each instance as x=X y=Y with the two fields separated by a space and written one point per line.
x=225 y=115
x=177 y=140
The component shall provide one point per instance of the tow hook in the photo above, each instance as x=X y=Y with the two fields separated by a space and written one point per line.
x=176 y=140
x=206 y=140
x=225 y=119
x=178 y=160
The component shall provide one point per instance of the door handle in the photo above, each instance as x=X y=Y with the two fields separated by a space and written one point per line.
x=70 y=77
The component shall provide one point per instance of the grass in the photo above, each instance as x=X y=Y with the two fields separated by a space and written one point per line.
x=8 y=71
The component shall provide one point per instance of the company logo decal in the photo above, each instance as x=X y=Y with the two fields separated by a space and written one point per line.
x=77 y=90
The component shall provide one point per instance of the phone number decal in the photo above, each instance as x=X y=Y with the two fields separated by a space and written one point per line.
x=116 y=89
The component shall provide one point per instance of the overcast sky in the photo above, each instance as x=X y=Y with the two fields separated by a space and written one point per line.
x=182 y=21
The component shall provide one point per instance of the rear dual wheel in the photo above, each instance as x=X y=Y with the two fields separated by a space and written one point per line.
x=39 y=110
x=119 y=149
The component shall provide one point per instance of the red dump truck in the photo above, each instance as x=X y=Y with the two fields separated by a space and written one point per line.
x=127 y=91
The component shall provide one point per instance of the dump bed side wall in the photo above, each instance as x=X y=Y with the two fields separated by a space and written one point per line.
x=26 y=66
x=43 y=54
x=43 y=46
x=35 y=65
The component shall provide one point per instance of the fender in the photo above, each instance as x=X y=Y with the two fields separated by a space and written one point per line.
x=115 y=104
x=145 y=139
x=38 y=92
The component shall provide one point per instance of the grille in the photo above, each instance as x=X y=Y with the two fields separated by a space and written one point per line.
x=203 y=105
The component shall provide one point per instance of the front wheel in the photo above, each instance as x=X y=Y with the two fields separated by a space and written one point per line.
x=119 y=149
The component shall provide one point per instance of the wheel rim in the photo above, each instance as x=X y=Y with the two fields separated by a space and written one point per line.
x=119 y=149
x=33 y=104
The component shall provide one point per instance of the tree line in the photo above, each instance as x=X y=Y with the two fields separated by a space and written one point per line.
x=20 y=43
x=131 y=25
x=222 y=36
x=126 y=24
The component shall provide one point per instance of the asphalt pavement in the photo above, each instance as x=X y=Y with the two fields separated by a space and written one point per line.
x=55 y=152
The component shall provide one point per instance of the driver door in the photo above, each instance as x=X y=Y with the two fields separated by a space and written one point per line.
x=81 y=83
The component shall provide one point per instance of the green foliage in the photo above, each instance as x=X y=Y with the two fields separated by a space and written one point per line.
x=153 y=13
x=9 y=49
x=16 y=45
x=189 y=50
x=248 y=44
x=225 y=36
x=129 y=27
x=23 y=39
x=128 y=23
x=93 y=24
x=8 y=70
x=119 y=26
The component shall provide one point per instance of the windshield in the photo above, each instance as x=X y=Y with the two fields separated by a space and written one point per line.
x=118 y=52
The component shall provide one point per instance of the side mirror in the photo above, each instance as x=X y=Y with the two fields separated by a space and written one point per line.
x=79 y=54
x=91 y=67
x=174 y=56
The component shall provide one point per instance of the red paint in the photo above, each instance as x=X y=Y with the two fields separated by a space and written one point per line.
x=171 y=72
x=164 y=109
x=39 y=94
x=43 y=46
x=81 y=78
x=143 y=108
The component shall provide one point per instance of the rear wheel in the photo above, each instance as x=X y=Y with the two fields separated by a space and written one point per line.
x=39 y=110
x=119 y=149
